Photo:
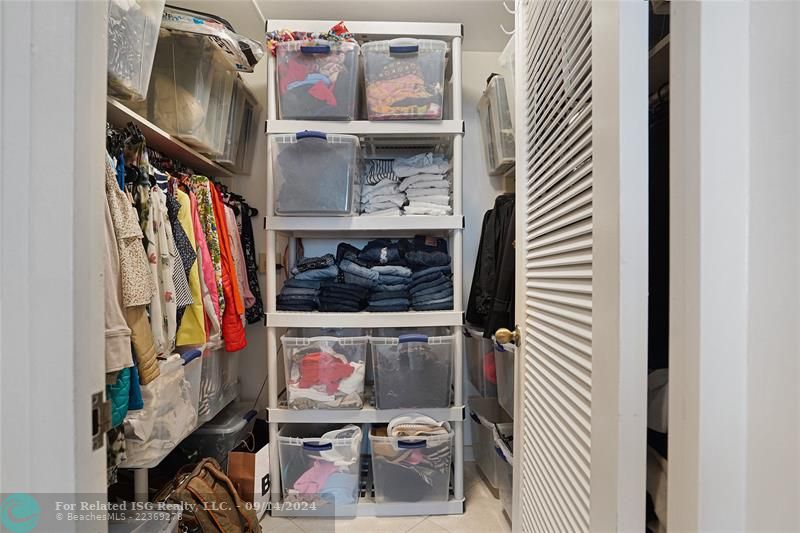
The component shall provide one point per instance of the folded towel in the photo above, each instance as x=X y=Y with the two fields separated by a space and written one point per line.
x=391 y=211
x=424 y=181
x=430 y=201
x=437 y=211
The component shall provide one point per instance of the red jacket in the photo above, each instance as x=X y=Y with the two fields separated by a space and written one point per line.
x=232 y=327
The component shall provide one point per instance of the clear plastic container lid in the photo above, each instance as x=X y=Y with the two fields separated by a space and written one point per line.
x=230 y=420
x=315 y=46
x=404 y=45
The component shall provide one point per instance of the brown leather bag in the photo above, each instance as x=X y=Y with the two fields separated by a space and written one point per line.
x=210 y=501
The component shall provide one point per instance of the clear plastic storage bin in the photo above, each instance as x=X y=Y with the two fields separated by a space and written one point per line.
x=316 y=174
x=480 y=362
x=192 y=369
x=222 y=434
x=411 y=469
x=219 y=384
x=404 y=79
x=325 y=369
x=179 y=100
x=497 y=130
x=504 y=359
x=133 y=27
x=219 y=111
x=242 y=130
x=412 y=367
x=317 y=80
x=505 y=466
x=320 y=464
x=485 y=414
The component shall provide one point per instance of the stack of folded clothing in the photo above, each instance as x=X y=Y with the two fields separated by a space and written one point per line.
x=382 y=199
x=424 y=182
x=335 y=297
x=301 y=292
x=391 y=292
x=431 y=287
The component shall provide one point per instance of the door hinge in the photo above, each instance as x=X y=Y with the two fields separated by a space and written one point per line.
x=101 y=419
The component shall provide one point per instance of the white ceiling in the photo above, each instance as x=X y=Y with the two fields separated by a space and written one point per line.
x=481 y=18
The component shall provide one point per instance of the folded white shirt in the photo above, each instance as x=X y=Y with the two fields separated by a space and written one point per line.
x=430 y=180
x=371 y=208
x=438 y=210
x=392 y=211
x=397 y=199
x=414 y=193
x=426 y=201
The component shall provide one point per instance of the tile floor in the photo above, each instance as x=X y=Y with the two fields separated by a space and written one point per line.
x=484 y=514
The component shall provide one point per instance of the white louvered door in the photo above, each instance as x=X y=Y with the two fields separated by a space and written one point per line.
x=581 y=246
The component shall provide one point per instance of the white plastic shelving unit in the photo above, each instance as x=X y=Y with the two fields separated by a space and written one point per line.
x=389 y=133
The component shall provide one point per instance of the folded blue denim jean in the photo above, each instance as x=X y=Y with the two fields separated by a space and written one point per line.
x=392 y=270
x=302 y=283
x=441 y=280
x=390 y=302
x=318 y=274
x=380 y=287
x=433 y=296
x=382 y=252
x=388 y=279
x=348 y=266
x=296 y=291
x=297 y=297
x=388 y=309
x=425 y=243
x=429 y=277
x=429 y=270
x=433 y=290
x=340 y=307
x=296 y=308
x=315 y=263
x=345 y=288
x=358 y=280
x=387 y=295
x=436 y=305
x=426 y=259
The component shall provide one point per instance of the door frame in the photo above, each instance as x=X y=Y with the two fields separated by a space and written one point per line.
x=52 y=150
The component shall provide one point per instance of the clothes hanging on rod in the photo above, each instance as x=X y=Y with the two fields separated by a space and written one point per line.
x=491 y=298
x=180 y=269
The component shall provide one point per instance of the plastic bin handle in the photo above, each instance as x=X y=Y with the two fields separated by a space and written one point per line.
x=316 y=49
x=306 y=134
x=403 y=46
x=501 y=454
x=411 y=444
x=474 y=417
x=317 y=446
x=190 y=356
x=250 y=415
x=412 y=337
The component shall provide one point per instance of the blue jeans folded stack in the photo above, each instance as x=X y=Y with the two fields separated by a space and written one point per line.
x=384 y=276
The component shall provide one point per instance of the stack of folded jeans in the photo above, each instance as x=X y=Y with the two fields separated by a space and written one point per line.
x=301 y=292
x=425 y=184
x=382 y=199
x=391 y=292
x=431 y=289
x=356 y=274
x=335 y=297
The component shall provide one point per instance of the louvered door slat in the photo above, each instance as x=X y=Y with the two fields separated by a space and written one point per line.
x=554 y=169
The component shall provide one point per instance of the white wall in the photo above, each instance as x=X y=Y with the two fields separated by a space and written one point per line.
x=734 y=400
